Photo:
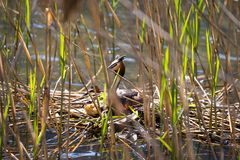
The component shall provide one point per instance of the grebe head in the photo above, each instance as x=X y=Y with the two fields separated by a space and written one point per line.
x=117 y=65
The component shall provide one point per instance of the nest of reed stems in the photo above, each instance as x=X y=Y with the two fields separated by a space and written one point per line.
x=222 y=128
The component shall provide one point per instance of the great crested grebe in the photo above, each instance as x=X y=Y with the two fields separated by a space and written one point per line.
x=120 y=99
x=118 y=67
x=127 y=97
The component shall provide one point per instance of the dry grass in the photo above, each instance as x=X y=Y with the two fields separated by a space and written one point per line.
x=170 y=42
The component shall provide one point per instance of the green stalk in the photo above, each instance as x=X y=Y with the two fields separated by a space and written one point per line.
x=32 y=84
x=27 y=14
x=209 y=52
x=166 y=71
x=164 y=79
x=174 y=103
x=210 y=64
x=193 y=59
x=185 y=59
x=184 y=28
x=104 y=119
x=3 y=124
x=215 y=79
x=28 y=24
x=161 y=139
x=196 y=28
x=196 y=31
x=32 y=107
x=62 y=56
x=143 y=31
x=178 y=9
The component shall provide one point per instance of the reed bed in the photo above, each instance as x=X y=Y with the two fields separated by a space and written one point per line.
x=85 y=128
x=186 y=69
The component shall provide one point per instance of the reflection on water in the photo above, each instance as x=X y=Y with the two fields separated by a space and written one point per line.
x=232 y=58
x=38 y=26
x=84 y=155
x=203 y=151
x=42 y=57
x=140 y=151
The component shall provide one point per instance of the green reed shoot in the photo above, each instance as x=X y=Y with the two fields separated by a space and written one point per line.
x=143 y=30
x=195 y=33
x=27 y=14
x=115 y=4
x=185 y=27
x=215 y=79
x=212 y=65
x=164 y=78
x=28 y=24
x=32 y=86
x=185 y=59
x=3 y=123
x=104 y=122
x=33 y=109
x=104 y=117
x=209 y=52
x=62 y=56
x=196 y=24
x=178 y=9
x=186 y=24
x=214 y=88
x=193 y=60
x=165 y=144
x=173 y=101
x=195 y=29
x=165 y=63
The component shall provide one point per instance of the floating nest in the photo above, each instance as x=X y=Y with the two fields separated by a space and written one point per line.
x=215 y=120
x=205 y=119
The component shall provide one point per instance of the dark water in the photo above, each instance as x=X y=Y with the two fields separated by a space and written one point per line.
x=141 y=151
